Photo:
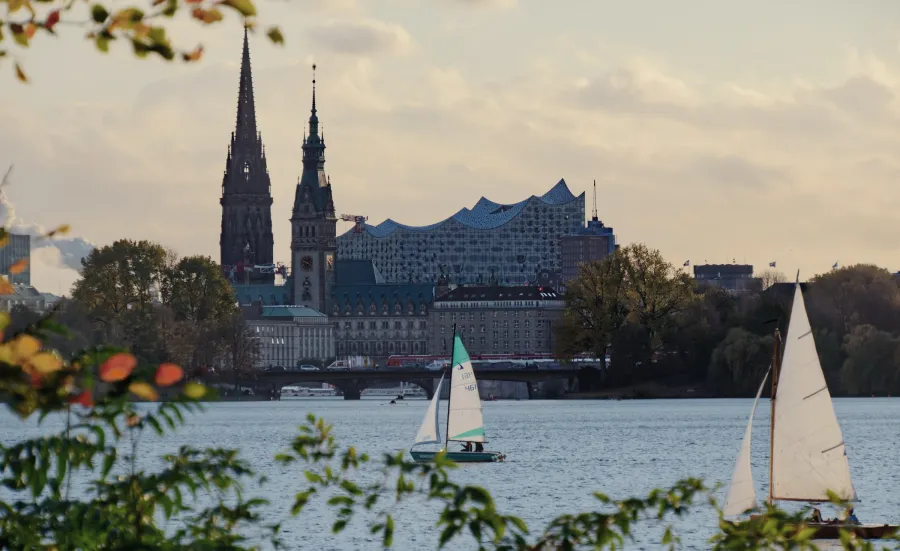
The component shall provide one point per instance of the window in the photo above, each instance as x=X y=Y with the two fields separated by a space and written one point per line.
x=505 y=323
x=516 y=334
x=481 y=341
x=496 y=335
x=442 y=330
x=442 y=316
x=516 y=323
x=373 y=325
x=527 y=323
x=481 y=316
x=347 y=325
x=453 y=316
x=360 y=325
x=482 y=328
x=398 y=325
x=471 y=316
x=384 y=325
x=527 y=334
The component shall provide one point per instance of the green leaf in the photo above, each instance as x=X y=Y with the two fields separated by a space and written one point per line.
x=313 y=477
x=339 y=525
x=388 y=531
x=275 y=35
x=99 y=13
x=244 y=7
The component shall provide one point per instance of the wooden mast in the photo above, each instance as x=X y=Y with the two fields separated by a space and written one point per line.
x=450 y=387
x=772 y=420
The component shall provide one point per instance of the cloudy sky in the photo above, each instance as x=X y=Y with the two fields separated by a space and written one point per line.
x=716 y=130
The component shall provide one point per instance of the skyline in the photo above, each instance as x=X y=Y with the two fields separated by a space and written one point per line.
x=422 y=119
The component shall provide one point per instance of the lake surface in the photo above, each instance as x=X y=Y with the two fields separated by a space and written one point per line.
x=558 y=453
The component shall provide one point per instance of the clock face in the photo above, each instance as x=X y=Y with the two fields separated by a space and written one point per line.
x=306 y=263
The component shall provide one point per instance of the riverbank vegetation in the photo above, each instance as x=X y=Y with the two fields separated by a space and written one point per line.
x=163 y=308
x=657 y=324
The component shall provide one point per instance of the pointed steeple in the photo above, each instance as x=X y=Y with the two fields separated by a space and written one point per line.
x=246 y=188
x=312 y=189
x=245 y=126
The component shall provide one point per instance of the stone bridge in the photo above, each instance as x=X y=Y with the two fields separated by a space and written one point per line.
x=353 y=382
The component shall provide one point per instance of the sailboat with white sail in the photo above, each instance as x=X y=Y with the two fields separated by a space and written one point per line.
x=465 y=421
x=807 y=456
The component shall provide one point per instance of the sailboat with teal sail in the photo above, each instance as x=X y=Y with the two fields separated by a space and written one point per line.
x=465 y=422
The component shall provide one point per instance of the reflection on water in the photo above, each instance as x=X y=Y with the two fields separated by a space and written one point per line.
x=558 y=452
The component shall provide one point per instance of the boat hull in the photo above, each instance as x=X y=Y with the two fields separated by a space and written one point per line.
x=826 y=531
x=459 y=457
x=862 y=531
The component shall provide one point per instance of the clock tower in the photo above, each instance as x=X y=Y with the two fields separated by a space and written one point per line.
x=313 y=223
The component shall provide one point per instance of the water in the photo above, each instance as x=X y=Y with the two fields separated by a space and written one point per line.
x=559 y=452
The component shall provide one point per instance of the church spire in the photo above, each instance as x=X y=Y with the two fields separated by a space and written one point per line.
x=313 y=144
x=245 y=127
x=246 y=232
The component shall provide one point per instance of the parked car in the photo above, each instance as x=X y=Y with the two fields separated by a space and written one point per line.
x=308 y=368
x=339 y=365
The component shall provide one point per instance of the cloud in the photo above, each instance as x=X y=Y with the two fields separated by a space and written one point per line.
x=362 y=38
x=492 y=4
x=67 y=252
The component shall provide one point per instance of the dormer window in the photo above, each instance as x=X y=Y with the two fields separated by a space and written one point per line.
x=246 y=168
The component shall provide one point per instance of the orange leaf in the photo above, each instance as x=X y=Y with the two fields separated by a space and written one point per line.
x=132 y=420
x=18 y=266
x=52 y=20
x=86 y=399
x=195 y=55
x=168 y=374
x=117 y=367
x=36 y=380
x=30 y=30
x=144 y=390
x=20 y=74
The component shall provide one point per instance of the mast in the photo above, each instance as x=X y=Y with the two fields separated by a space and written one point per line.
x=450 y=387
x=772 y=421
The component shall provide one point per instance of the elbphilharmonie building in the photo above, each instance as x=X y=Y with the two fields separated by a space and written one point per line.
x=511 y=244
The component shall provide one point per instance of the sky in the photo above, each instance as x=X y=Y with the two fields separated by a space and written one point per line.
x=716 y=131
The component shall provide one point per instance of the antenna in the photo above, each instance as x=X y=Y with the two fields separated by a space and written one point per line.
x=594 y=212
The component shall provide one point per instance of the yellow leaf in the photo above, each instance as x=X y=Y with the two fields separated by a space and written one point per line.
x=15 y=5
x=144 y=390
x=46 y=363
x=6 y=287
x=193 y=56
x=207 y=16
x=18 y=266
x=61 y=230
x=25 y=346
x=4 y=320
x=6 y=354
x=194 y=390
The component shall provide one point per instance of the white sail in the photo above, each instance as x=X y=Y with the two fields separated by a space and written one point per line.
x=430 y=431
x=742 y=492
x=465 y=420
x=809 y=457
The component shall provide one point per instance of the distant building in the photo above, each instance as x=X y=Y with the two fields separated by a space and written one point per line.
x=375 y=318
x=496 y=320
x=18 y=248
x=591 y=243
x=515 y=243
x=289 y=334
x=737 y=278
x=29 y=297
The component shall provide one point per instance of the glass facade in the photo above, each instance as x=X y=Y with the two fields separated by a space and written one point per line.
x=513 y=244
x=18 y=248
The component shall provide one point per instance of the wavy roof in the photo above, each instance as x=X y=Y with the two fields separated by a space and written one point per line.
x=485 y=215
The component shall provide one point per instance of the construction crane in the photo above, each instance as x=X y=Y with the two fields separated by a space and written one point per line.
x=357 y=219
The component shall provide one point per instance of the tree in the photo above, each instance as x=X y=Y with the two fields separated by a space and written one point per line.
x=872 y=365
x=195 y=289
x=769 y=278
x=140 y=25
x=739 y=362
x=855 y=295
x=242 y=348
x=628 y=300
x=119 y=278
